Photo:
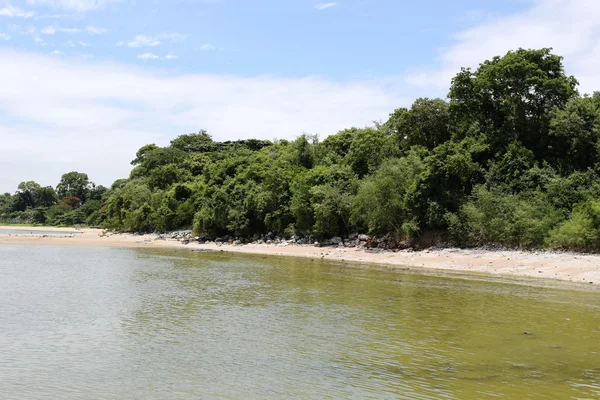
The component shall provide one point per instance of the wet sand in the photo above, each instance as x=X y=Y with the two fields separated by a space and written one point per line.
x=581 y=268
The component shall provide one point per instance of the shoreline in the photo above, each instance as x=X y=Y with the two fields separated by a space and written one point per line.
x=568 y=267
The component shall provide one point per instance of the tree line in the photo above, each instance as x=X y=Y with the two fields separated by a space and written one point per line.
x=510 y=157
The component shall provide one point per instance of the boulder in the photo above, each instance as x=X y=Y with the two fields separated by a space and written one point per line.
x=336 y=240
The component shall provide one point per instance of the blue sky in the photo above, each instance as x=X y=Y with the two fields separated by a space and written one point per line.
x=85 y=83
x=338 y=40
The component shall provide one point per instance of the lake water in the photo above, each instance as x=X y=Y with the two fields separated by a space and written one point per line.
x=95 y=323
x=24 y=231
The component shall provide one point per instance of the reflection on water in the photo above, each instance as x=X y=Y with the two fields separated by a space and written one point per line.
x=85 y=323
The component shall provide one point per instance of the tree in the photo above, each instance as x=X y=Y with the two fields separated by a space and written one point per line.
x=75 y=184
x=45 y=197
x=369 y=147
x=200 y=142
x=426 y=124
x=25 y=195
x=510 y=98
x=577 y=128
x=381 y=202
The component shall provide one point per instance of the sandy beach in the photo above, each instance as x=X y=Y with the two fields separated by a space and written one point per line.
x=580 y=268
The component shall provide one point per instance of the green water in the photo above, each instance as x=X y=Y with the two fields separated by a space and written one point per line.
x=84 y=323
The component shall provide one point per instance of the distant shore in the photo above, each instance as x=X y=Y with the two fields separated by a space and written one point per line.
x=580 y=268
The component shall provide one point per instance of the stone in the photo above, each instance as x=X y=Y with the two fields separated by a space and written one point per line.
x=336 y=240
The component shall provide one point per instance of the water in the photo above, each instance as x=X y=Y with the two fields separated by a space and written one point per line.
x=94 y=323
x=24 y=231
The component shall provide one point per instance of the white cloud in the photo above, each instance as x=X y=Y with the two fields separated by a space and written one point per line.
x=151 y=56
x=570 y=27
x=175 y=37
x=57 y=53
x=49 y=30
x=92 y=30
x=75 y=5
x=324 y=6
x=11 y=11
x=92 y=117
x=39 y=40
x=147 y=56
x=70 y=30
x=4 y=36
x=141 y=41
x=73 y=43
x=28 y=31
x=207 y=47
x=153 y=41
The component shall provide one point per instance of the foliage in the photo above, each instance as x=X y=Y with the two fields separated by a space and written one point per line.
x=512 y=159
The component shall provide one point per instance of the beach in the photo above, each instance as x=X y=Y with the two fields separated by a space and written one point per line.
x=573 y=267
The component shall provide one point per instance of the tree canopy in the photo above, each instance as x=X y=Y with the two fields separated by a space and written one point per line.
x=510 y=158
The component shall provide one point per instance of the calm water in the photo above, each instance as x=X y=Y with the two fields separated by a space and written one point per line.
x=79 y=323
x=24 y=231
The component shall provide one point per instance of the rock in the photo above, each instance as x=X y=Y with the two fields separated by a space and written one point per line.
x=363 y=238
x=336 y=240
x=237 y=242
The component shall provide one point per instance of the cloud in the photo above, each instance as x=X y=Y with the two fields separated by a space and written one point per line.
x=570 y=27
x=140 y=41
x=92 y=30
x=27 y=31
x=70 y=30
x=57 y=53
x=4 y=36
x=175 y=37
x=49 y=30
x=73 y=43
x=10 y=11
x=153 y=41
x=62 y=113
x=74 y=5
x=147 y=56
x=207 y=47
x=324 y=6
x=151 y=56
x=39 y=40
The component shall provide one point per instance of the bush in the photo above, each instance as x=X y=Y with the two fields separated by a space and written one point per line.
x=581 y=231
x=503 y=219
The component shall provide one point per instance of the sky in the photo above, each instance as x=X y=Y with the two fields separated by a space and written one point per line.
x=85 y=83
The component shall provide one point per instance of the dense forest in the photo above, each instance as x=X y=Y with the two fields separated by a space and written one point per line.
x=510 y=158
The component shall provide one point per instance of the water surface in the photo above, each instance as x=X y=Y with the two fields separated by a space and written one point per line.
x=25 y=231
x=95 y=323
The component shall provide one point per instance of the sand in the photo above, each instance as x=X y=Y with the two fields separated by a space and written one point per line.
x=580 y=268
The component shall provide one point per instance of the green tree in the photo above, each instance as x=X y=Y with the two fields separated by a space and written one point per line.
x=75 y=184
x=576 y=128
x=426 y=124
x=510 y=97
